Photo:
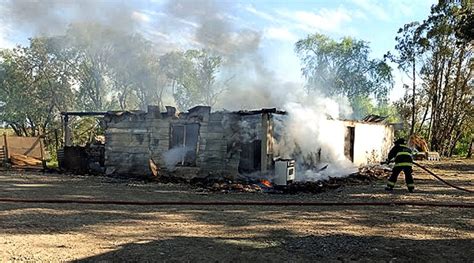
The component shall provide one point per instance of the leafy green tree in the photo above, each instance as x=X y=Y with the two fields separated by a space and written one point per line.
x=34 y=87
x=465 y=27
x=363 y=106
x=343 y=68
x=443 y=54
x=192 y=76
x=88 y=48
x=135 y=73
x=410 y=46
x=447 y=72
x=111 y=69
x=84 y=129
x=90 y=68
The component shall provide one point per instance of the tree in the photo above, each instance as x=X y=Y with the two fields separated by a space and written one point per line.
x=111 y=68
x=410 y=44
x=444 y=56
x=192 y=75
x=447 y=72
x=465 y=27
x=88 y=49
x=34 y=87
x=343 y=67
x=90 y=68
x=136 y=76
x=363 y=106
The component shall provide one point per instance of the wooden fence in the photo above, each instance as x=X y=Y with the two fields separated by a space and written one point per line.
x=25 y=146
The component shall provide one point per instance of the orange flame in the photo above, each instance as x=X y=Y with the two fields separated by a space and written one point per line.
x=266 y=183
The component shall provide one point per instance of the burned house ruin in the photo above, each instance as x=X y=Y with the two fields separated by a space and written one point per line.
x=190 y=144
x=200 y=143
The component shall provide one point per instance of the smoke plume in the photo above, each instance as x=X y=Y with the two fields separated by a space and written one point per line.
x=52 y=17
x=175 y=156
x=210 y=25
x=308 y=135
x=305 y=132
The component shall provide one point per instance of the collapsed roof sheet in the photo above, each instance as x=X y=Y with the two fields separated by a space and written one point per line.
x=374 y=118
x=264 y=110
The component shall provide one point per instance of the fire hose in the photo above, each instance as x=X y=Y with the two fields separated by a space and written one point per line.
x=441 y=179
x=233 y=203
x=251 y=203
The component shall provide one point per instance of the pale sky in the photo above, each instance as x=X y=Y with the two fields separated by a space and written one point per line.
x=281 y=24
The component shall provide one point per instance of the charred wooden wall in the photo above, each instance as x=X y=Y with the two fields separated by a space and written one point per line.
x=132 y=138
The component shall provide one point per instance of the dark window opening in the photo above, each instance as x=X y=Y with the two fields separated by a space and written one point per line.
x=185 y=136
x=349 y=143
x=250 y=157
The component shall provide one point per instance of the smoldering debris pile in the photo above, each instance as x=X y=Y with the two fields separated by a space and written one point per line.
x=231 y=186
x=225 y=187
x=366 y=175
x=374 y=171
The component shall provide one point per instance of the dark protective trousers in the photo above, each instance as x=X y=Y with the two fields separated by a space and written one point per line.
x=407 y=170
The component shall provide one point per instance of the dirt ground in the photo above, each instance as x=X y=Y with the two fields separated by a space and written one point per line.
x=85 y=232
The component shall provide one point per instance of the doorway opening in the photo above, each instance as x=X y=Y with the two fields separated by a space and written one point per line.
x=349 y=143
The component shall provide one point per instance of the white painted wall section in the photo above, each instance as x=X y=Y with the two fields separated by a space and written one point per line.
x=372 y=142
x=332 y=138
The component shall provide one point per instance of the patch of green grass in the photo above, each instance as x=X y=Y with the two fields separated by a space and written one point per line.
x=52 y=164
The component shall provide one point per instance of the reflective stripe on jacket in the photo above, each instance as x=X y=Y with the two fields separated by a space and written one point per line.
x=402 y=155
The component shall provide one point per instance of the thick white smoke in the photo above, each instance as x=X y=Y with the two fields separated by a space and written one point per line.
x=308 y=135
x=306 y=128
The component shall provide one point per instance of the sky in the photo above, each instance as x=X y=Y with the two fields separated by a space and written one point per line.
x=279 y=23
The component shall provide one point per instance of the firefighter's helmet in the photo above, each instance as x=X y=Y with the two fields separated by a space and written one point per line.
x=400 y=141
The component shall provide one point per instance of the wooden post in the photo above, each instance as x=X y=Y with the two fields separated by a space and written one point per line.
x=56 y=139
x=471 y=147
x=264 y=148
x=6 y=146
x=67 y=132
x=43 y=161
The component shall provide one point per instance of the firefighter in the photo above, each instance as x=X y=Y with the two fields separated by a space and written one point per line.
x=402 y=155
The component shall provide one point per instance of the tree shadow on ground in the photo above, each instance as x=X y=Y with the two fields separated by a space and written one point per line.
x=52 y=219
x=458 y=166
x=283 y=246
x=55 y=219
